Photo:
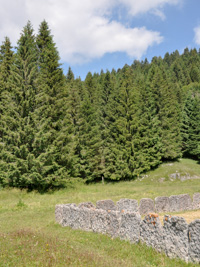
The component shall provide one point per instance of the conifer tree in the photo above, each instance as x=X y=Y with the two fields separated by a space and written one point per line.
x=147 y=141
x=23 y=93
x=168 y=109
x=123 y=126
x=190 y=129
x=7 y=109
x=89 y=134
x=50 y=112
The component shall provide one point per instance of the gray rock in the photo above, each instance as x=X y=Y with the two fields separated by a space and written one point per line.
x=196 y=201
x=176 y=237
x=194 y=241
x=107 y=204
x=113 y=223
x=175 y=176
x=182 y=177
x=88 y=205
x=77 y=218
x=180 y=202
x=127 y=205
x=151 y=232
x=105 y=222
x=185 y=177
x=174 y=203
x=59 y=211
x=146 y=206
x=162 y=204
x=130 y=226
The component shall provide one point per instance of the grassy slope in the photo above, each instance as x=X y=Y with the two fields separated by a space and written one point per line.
x=29 y=235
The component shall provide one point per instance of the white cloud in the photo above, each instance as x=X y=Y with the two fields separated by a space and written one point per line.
x=142 y=6
x=197 y=35
x=84 y=29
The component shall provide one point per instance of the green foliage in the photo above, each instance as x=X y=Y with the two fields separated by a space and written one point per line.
x=112 y=126
x=191 y=122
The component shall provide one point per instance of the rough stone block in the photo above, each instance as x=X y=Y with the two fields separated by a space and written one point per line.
x=151 y=232
x=196 y=201
x=180 y=202
x=113 y=224
x=105 y=222
x=106 y=204
x=99 y=221
x=146 y=206
x=77 y=218
x=130 y=227
x=162 y=204
x=59 y=214
x=127 y=205
x=176 y=237
x=88 y=205
x=194 y=241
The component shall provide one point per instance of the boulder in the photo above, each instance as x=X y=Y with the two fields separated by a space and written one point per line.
x=146 y=206
x=107 y=204
x=196 y=201
x=105 y=222
x=127 y=205
x=130 y=226
x=176 y=237
x=180 y=202
x=194 y=241
x=151 y=232
x=162 y=204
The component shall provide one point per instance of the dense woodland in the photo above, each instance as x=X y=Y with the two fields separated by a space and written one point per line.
x=113 y=125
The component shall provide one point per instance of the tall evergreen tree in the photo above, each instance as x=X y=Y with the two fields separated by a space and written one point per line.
x=23 y=77
x=8 y=120
x=190 y=129
x=50 y=112
x=147 y=141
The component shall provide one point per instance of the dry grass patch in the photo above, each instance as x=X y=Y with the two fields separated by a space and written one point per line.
x=188 y=215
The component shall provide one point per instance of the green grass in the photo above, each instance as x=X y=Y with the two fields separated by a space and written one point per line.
x=29 y=235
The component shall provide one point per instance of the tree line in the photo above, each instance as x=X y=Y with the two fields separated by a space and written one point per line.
x=113 y=125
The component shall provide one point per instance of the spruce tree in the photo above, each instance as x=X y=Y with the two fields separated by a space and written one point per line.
x=7 y=110
x=50 y=112
x=20 y=138
x=190 y=129
x=89 y=140
x=147 y=142
x=123 y=126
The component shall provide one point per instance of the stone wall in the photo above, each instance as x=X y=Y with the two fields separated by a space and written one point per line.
x=175 y=237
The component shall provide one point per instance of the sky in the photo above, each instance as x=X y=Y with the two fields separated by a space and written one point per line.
x=95 y=35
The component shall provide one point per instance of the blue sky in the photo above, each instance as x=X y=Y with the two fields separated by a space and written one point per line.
x=105 y=34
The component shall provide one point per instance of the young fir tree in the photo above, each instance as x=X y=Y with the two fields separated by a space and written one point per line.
x=50 y=113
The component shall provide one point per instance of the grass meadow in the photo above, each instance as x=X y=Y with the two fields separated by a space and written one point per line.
x=29 y=235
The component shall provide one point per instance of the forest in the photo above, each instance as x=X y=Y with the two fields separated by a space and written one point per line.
x=114 y=125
